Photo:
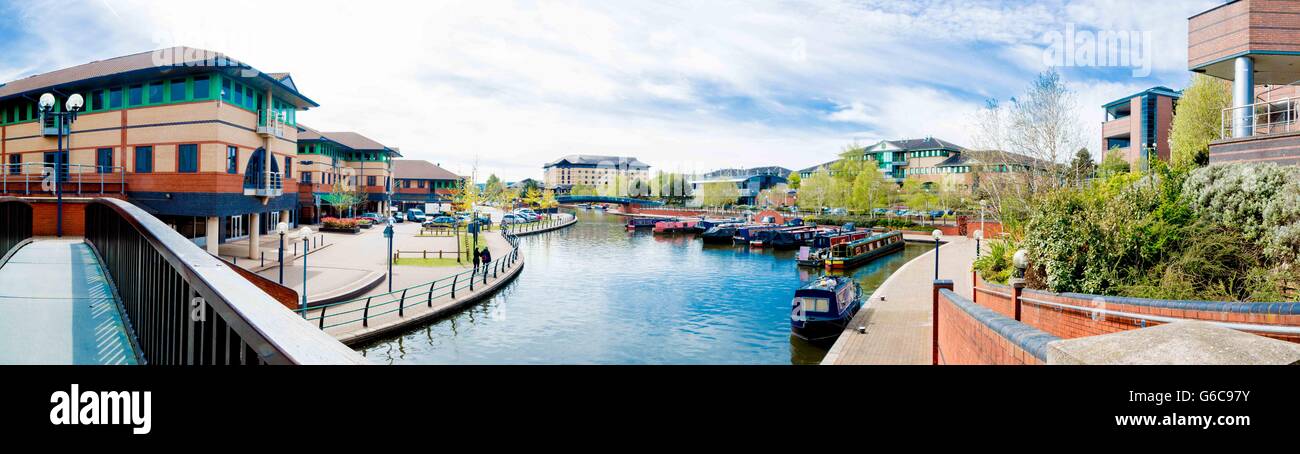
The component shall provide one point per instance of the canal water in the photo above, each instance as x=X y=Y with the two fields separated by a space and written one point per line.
x=594 y=293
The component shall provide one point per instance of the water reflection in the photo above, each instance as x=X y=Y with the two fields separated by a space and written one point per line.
x=595 y=293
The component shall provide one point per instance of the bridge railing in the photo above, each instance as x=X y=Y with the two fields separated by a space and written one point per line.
x=183 y=306
x=362 y=310
x=15 y=223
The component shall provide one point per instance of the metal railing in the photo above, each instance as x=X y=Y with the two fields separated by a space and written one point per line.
x=270 y=123
x=76 y=179
x=544 y=224
x=368 y=307
x=15 y=223
x=263 y=181
x=183 y=306
x=1263 y=118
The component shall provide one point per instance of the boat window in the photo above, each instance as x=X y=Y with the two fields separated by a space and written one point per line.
x=820 y=304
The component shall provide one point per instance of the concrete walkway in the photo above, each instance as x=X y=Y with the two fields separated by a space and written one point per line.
x=56 y=307
x=898 y=314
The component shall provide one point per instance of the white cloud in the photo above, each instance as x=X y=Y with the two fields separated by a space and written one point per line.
x=681 y=84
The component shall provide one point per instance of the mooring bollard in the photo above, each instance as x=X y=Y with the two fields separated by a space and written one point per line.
x=934 y=321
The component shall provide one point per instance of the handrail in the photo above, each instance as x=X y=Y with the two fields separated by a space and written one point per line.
x=1273 y=329
x=35 y=181
x=1263 y=118
x=424 y=293
x=186 y=307
x=16 y=222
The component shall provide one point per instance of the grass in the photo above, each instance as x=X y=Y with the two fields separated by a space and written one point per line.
x=431 y=262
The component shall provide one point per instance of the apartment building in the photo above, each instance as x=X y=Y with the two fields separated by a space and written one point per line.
x=591 y=170
x=1138 y=125
x=749 y=182
x=420 y=182
x=343 y=162
x=202 y=141
x=931 y=161
x=1253 y=44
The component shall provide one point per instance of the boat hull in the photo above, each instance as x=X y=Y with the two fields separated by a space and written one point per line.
x=837 y=263
x=824 y=330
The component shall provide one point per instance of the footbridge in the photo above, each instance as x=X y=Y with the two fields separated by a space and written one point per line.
x=606 y=199
x=134 y=291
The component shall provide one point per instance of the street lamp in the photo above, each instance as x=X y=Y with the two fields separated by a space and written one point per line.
x=388 y=233
x=63 y=121
x=282 y=228
x=1020 y=261
x=305 y=234
x=979 y=235
x=936 y=234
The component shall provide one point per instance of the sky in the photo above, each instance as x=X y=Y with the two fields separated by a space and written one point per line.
x=503 y=87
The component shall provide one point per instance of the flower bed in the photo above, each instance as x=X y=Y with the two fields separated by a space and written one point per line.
x=347 y=225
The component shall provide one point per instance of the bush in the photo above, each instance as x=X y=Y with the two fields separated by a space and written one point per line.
x=994 y=264
x=339 y=223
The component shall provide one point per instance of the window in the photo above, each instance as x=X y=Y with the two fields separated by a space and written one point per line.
x=288 y=165
x=177 y=90
x=187 y=158
x=239 y=95
x=306 y=177
x=421 y=183
x=14 y=164
x=371 y=181
x=143 y=159
x=97 y=100
x=115 y=98
x=155 y=92
x=135 y=95
x=104 y=160
x=226 y=93
x=232 y=159
x=201 y=87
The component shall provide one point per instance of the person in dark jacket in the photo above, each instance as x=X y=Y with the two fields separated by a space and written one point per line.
x=477 y=257
x=487 y=260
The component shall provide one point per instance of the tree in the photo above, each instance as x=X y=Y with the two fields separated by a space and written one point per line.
x=548 y=199
x=718 y=194
x=870 y=190
x=793 y=180
x=1082 y=167
x=777 y=195
x=466 y=194
x=1114 y=164
x=1197 y=120
x=815 y=190
x=493 y=188
x=532 y=197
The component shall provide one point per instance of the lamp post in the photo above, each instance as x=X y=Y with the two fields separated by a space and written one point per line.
x=1020 y=261
x=63 y=119
x=981 y=214
x=305 y=234
x=388 y=233
x=936 y=233
x=979 y=235
x=282 y=228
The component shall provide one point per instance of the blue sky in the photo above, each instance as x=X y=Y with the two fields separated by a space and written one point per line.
x=682 y=85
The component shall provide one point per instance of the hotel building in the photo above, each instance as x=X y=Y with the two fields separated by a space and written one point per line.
x=591 y=170
x=1253 y=44
x=1138 y=126
x=203 y=142
x=421 y=182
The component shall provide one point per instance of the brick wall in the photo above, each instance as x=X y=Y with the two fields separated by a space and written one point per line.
x=44 y=215
x=972 y=334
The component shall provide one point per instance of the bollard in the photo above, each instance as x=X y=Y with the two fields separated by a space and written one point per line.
x=1017 y=289
x=263 y=262
x=365 y=315
x=934 y=318
x=974 y=286
x=401 y=305
x=453 y=285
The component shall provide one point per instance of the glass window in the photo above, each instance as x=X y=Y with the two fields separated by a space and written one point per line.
x=177 y=90
x=104 y=160
x=97 y=100
x=155 y=92
x=232 y=159
x=239 y=95
x=370 y=181
x=202 y=88
x=135 y=95
x=115 y=98
x=306 y=177
x=14 y=161
x=143 y=159
x=187 y=158
x=288 y=165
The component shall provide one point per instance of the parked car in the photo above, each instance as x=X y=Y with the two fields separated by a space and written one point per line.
x=937 y=213
x=527 y=217
x=511 y=218
x=415 y=215
x=372 y=217
x=398 y=218
x=441 y=221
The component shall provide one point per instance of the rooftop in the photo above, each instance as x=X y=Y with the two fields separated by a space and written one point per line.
x=1160 y=90
x=166 y=62
x=600 y=160
x=419 y=169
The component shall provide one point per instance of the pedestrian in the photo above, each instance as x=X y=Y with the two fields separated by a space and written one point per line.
x=477 y=256
x=487 y=260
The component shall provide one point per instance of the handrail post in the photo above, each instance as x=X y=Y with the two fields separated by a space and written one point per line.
x=322 y=316
x=1017 y=289
x=401 y=305
x=934 y=319
x=430 y=296
x=453 y=285
x=365 y=314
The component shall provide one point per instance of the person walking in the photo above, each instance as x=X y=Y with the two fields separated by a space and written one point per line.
x=487 y=260
x=477 y=257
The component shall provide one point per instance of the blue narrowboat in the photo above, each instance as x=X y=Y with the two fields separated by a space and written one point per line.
x=746 y=233
x=634 y=223
x=823 y=308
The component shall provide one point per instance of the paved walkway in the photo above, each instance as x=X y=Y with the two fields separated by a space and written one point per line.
x=56 y=307
x=898 y=314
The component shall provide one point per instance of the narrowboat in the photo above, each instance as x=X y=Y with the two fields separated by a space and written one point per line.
x=808 y=256
x=775 y=239
x=746 y=233
x=673 y=226
x=722 y=234
x=854 y=253
x=598 y=207
x=826 y=241
x=634 y=223
x=705 y=224
x=823 y=308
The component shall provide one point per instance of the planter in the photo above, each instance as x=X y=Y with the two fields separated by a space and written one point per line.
x=341 y=230
x=365 y=226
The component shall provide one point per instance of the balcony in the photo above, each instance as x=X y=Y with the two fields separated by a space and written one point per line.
x=1119 y=127
x=1261 y=132
x=270 y=124
x=267 y=184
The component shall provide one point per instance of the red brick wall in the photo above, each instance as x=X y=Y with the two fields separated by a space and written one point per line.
x=965 y=340
x=44 y=215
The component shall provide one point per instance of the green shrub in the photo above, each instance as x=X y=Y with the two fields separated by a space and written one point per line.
x=994 y=264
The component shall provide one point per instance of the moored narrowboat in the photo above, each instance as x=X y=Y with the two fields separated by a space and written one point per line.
x=775 y=239
x=634 y=223
x=811 y=257
x=722 y=234
x=821 y=309
x=854 y=253
x=746 y=233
